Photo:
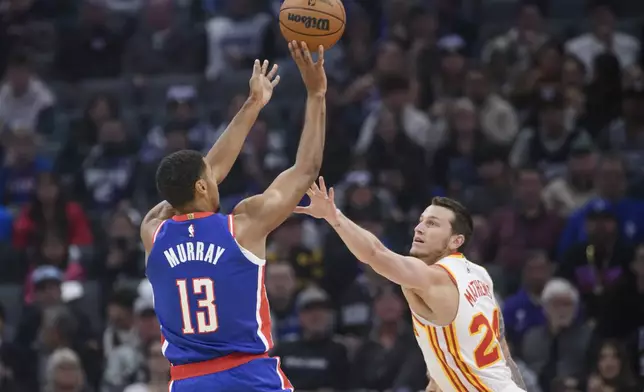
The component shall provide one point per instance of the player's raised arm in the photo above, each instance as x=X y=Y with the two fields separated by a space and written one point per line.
x=406 y=271
x=269 y=209
x=223 y=154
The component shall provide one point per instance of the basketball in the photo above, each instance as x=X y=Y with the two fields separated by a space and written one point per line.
x=316 y=22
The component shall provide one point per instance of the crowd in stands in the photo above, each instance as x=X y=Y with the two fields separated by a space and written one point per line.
x=530 y=112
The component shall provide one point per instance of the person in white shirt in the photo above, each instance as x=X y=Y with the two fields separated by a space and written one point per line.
x=603 y=38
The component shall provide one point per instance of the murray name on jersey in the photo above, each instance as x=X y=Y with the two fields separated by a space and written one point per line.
x=193 y=251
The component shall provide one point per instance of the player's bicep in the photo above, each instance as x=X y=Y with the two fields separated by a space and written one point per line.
x=271 y=208
x=406 y=271
x=148 y=230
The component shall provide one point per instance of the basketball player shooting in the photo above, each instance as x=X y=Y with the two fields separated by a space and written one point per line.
x=456 y=319
x=207 y=269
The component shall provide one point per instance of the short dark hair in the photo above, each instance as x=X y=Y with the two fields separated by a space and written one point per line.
x=122 y=297
x=462 y=223
x=177 y=174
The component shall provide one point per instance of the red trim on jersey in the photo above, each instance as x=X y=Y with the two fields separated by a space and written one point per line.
x=457 y=254
x=181 y=372
x=280 y=372
x=156 y=232
x=451 y=276
x=192 y=215
x=265 y=311
x=231 y=225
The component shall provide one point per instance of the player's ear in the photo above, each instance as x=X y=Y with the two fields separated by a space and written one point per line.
x=200 y=186
x=457 y=241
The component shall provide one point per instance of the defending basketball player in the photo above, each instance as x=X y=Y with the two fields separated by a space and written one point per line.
x=456 y=318
x=207 y=269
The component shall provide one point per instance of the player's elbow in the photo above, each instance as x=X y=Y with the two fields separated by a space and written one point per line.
x=308 y=170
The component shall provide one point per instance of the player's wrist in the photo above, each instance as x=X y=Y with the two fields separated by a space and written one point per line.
x=334 y=219
x=316 y=94
x=254 y=100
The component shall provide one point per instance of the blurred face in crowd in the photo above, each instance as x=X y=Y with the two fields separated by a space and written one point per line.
x=280 y=282
x=604 y=21
x=529 y=18
x=68 y=377
x=396 y=100
x=490 y=171
x=389 y=307
x=609 y=364
x=159 y=14
x=572 y=73
x=100 y=110
x=48 y=293
x=433 y=234
x=560 y=310
x=536 y=273
x=610 y=179
x=316 y=320
x=119 y=316
x=549 y=62
x=465 y=122
x=360 y=196
x=157 y=363
x=183 y=110
x=552 y=121
x=452 y=64
x=423 y=26
x=581 y=169
x=147 y=326
x=54 y=250
x=47 y=189
x=476 y=86
x=176 y=141
x=528 y=188
x=112 y=136
x=601 y=228
x=637 y=265
x=23 y=147
x=387 y=127
x=18 y=78
x=122 y=227
x=390 y=59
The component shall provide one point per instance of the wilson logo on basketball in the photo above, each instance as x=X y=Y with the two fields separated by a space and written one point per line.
x=310 y=22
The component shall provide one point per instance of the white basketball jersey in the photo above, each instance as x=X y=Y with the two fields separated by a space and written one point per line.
x=466 y=355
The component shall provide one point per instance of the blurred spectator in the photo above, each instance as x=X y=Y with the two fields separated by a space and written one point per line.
x=286 y=243
x=163 y=44
x=388 y=359
x=281 y=291
x=449 y=80
x=120 y=329
x=23 y=164
x=568 y=192
x=544 y=75
x=13 y=374
x=612 y=367
x=519 y=44
x=90 y=48
x=316 y=360
x=83 y=134
x=65 y=372
x=108 y=174
x=51 y=211
x=522 y=311
x=623 y=311
x=122 y=259
x=355 y=315
x=610 y=186
x=558 y=348
x=499 y=122
x=238 y=37
x=525 y=225
x=597 y=264
x=25 y=100
x=181 y=115
x=494 y=180
x=125 y=364
x=549 y=142
x=52 y=249
x=604 y=103
x=157 y=371
x=603 y=38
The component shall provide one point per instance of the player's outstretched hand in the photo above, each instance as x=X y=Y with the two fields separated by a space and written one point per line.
x=322 y=205
x=312 y=71
x=262 y=83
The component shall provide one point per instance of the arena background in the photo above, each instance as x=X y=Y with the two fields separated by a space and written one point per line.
x=530 y=113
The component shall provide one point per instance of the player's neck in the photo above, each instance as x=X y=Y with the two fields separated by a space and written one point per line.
x=197 y=206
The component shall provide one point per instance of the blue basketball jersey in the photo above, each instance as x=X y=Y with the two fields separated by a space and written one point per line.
x=209 y=292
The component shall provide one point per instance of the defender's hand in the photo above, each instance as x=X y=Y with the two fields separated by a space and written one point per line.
x=312 y=72
x=262 y=84
x=322 y=205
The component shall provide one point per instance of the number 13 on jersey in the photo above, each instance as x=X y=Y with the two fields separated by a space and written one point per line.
x=204 y=290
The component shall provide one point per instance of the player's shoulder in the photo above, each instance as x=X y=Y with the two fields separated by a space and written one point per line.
x=460 y=267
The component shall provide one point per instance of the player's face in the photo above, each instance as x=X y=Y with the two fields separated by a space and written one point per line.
x=433 y=233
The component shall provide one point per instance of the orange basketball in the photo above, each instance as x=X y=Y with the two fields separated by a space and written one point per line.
x=316 y=22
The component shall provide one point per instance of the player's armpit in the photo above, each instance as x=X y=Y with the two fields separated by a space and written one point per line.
x=152 y=220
